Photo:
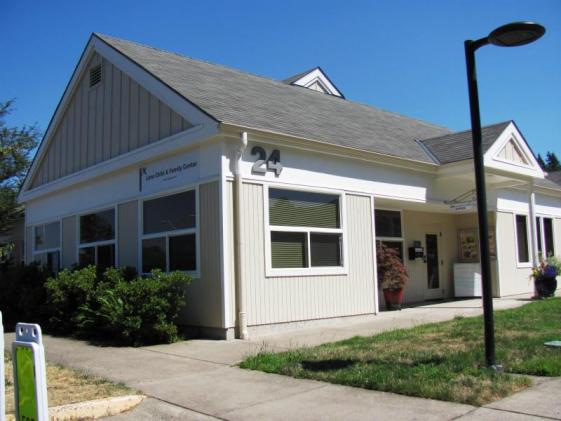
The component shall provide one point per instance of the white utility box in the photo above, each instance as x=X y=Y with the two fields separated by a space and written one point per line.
x=467 y=280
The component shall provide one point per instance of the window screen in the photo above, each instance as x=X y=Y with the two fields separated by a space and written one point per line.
x=548 y=236
x=303 y=209
x=288 y=250
x=325 y=249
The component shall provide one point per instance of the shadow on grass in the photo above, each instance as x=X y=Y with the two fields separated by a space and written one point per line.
x=327 y=365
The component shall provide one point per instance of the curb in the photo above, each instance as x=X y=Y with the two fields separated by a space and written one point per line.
x=92 y=409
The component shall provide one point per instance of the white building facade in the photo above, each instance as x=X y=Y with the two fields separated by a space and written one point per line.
x=272 y=195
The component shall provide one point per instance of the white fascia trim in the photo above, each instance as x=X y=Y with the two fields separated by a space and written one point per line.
x=157 y=88
x=492 y=160
x=318 y=75
x=183 y=140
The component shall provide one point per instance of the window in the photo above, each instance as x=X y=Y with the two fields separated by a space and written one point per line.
x=545 y=236
x=97 y=239
x=389 y=230
x=522 y=239
x=169 y=238
x=46 y=245
x=305 y=230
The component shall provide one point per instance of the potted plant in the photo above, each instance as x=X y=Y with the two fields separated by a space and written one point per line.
x=545 y=275
x=392 y=276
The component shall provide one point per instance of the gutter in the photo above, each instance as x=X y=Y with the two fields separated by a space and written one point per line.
x=238 y=242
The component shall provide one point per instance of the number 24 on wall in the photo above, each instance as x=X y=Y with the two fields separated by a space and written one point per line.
x=264 y=164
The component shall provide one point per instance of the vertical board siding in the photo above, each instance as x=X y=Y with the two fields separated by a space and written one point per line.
x=128 y=233
x=99 y=123
x=286 y=299
x=204 y=295
x=68 y=242
x=513 y=279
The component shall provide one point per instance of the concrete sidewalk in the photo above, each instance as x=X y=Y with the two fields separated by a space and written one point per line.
x=198 y=379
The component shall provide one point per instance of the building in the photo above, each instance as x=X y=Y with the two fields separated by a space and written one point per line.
x=272 y=194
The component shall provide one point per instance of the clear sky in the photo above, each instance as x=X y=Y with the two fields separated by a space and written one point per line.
x=404 y=56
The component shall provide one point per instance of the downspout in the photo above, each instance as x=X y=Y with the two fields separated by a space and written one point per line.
x=238 y=241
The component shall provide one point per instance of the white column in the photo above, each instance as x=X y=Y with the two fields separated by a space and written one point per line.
x=533 y=225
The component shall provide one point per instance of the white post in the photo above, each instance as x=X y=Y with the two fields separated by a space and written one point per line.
x=30 y=374
x=2 y=373
x=533 y=226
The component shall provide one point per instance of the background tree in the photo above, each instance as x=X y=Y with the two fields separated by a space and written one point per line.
x=16 y=145
x=541 y=162
x=552 y=162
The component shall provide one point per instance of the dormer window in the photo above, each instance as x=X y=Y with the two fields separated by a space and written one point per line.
x=316 y=80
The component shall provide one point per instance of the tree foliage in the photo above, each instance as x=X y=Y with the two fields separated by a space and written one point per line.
x=16 y=145
x=551 y=162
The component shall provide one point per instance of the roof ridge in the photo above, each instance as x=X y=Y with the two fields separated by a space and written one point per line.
x=274 y=81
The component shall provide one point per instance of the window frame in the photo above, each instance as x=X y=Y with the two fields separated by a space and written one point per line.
x=520 y=264
x=58 y=249
x=95 y=244
x=382 y=239
x=540 y=226
x=271 y=272
x=174 y=233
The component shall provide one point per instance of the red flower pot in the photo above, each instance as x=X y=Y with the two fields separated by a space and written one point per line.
x=393 y=298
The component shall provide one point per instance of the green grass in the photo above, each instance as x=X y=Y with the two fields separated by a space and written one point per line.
x=439 y=361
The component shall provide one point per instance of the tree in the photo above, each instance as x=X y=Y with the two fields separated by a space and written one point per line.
x=552 y=162
x=16 y=145
x=541 y=162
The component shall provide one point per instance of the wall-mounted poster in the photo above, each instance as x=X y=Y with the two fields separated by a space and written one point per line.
x=468 y=245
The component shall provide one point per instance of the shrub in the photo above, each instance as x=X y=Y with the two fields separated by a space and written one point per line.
x=22 y=294
x=127 y=308
x=66 y=292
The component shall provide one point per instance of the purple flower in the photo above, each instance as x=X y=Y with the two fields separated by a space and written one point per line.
x=549 y=271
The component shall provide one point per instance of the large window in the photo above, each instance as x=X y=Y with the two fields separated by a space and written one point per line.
x=305 y=230
x=522 y=245
x=97 y=239
x=545 y=236
x=46 y=245
x=389 y=230
x=169 y=238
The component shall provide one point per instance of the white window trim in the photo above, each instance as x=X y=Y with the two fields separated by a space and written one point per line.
x=271 y=272
x=114 y=241
x=174 y=233
x=520 y=264
x=541 y=228
x=58 y=249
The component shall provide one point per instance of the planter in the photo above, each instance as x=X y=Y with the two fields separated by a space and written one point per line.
x=393 y=298
x=545 y=286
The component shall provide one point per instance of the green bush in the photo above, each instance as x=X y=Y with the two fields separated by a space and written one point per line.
x=120 y=305
x=22 y=294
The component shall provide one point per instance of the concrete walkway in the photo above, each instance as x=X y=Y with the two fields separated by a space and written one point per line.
x=198 y=379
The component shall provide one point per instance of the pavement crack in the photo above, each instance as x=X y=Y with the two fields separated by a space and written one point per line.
x=522 y=413
x=185 y=407
x=188 y=358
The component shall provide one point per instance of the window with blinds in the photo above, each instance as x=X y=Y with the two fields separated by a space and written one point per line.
x=305 y=229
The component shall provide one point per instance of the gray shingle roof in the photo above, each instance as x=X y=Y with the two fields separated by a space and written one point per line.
x=242 y=99
x=458 y=146
x=551 y=181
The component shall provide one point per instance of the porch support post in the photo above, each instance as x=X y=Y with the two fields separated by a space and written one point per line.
x=533 y=225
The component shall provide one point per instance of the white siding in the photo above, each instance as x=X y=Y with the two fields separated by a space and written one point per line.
x=287 y=299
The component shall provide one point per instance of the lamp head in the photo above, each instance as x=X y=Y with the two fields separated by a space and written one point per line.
x=515 y=34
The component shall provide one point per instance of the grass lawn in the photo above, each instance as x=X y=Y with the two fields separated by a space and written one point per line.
x=440 y=361
x=66 y=386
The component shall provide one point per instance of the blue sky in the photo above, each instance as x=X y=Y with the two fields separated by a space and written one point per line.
x=404 y=56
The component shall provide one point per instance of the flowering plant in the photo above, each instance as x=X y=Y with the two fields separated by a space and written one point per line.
x=548 y=268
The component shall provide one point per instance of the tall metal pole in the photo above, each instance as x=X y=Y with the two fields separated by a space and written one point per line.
x=487 y=290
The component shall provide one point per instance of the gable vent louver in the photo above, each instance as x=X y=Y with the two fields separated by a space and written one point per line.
x=95 y=75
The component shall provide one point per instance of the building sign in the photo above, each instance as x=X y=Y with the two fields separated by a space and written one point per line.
x=30 y=374
x=171 y=172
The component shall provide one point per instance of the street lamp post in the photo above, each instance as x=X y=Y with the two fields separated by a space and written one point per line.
x=510 y=35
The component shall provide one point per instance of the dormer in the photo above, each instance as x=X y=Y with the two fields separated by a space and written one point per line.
x=316 y=80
